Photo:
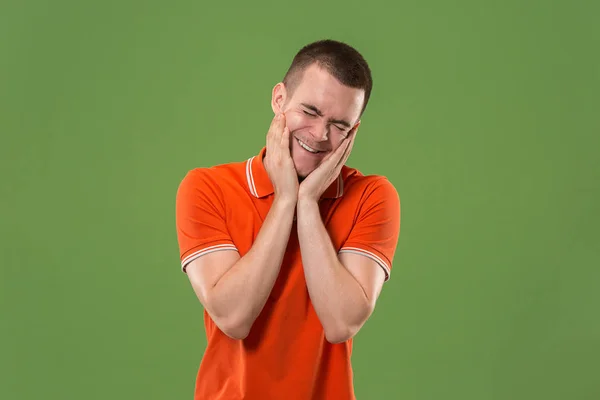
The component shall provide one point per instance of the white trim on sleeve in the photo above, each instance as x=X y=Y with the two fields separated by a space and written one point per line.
x=204 y=251
x=372 y=256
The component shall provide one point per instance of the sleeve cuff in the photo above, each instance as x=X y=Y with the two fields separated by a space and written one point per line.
x=372 y=256
x=201 y=252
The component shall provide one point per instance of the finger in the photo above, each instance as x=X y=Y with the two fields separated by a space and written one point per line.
x=341 y=160
x=278 y=128
x=342 y=149
x=352 y=134
x=333 y=158
x=273 y=123
x=348 y=148
x=281 y=120
x=279 y=124
x=285 y=138
x=347 y=153
x=285 y=133
x=273 y=131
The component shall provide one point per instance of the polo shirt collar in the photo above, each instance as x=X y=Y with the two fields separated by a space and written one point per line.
x=260 y=185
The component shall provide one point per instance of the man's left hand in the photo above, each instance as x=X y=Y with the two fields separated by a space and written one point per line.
x=315 y=184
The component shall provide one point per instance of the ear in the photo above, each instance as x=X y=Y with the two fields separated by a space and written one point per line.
x=278 y=97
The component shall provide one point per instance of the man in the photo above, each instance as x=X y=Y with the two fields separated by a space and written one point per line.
x=288 y=251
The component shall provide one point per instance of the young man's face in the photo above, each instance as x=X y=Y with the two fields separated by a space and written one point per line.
x=319 y=114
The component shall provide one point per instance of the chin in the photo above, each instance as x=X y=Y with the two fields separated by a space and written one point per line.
x=303 y=172
x=302 y=169
x=301 y=176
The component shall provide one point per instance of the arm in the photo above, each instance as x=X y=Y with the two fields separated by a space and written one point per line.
x=344 y=287
x=343 y=290
x=234 y=290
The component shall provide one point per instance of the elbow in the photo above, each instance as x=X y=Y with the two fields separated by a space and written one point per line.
x=236 y=329
x=338 y=336
x=236 y=326
x=343 y=331
x=228 y=321
x=236 y=333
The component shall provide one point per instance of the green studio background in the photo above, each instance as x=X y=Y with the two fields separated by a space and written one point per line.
x=484 y=115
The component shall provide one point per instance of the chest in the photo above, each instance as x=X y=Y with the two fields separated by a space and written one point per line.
x=245 y=222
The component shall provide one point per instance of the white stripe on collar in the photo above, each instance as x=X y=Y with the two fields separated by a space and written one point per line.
x=340 y=187
x=250 y=177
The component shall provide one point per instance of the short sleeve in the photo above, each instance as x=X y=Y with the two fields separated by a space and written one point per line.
x=200 y=218
x=377 y=227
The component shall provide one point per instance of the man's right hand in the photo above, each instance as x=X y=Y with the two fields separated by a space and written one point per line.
x=278 y=161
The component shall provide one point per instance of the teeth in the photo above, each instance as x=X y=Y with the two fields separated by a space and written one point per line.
x=304 y=146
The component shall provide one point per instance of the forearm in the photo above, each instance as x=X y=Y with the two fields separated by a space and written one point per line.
x=339 y=300
x=241 y=293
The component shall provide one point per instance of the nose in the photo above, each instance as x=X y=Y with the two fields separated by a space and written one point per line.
x=319 y=132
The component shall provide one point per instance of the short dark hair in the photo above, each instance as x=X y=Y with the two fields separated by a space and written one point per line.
x=341 y=60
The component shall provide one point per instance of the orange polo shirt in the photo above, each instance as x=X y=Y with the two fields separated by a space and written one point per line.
x=285 y=355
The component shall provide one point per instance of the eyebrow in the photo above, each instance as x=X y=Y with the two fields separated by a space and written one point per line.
x=320 y=114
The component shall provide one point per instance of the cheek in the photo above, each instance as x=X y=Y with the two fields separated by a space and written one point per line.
x=296 y=121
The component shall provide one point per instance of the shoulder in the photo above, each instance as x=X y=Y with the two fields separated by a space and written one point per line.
x=211 y=188
x=213 y=178
x=368 y=187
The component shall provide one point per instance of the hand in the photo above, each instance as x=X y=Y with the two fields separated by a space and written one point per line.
x=315 y=184
x=278 y=161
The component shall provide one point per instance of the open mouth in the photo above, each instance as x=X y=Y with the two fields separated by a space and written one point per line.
x=307 y=147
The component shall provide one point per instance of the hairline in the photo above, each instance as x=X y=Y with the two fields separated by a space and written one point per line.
x=295 y=75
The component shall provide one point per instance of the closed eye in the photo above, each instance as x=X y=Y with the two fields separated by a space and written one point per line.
x=342 y=129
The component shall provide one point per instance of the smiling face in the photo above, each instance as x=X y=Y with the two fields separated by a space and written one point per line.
x=320 y=112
